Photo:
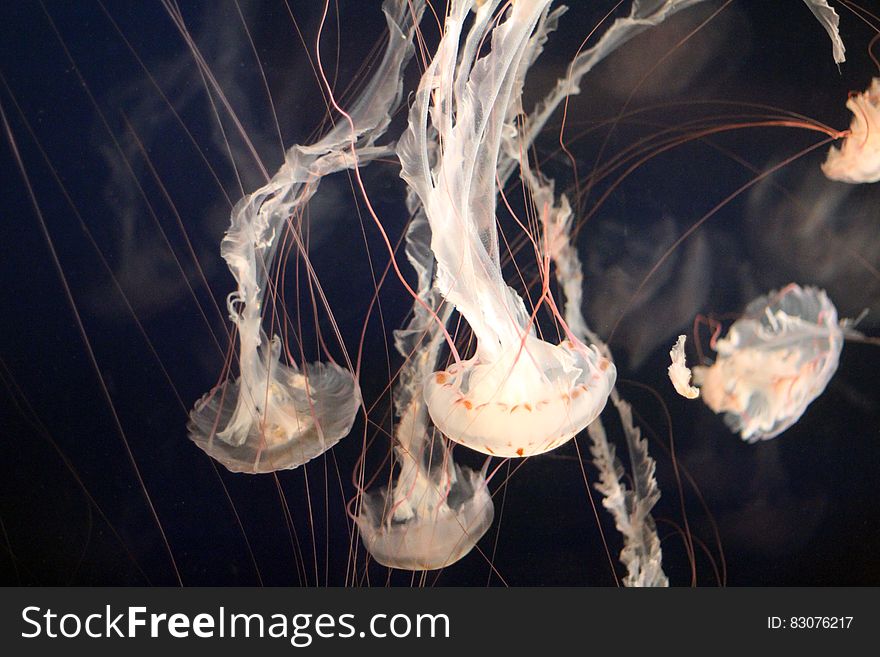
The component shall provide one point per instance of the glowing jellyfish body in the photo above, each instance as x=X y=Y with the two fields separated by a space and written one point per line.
x=273 y=416
x=773 y=362
x=857 y=160
x=518 y=395
x=276 y=416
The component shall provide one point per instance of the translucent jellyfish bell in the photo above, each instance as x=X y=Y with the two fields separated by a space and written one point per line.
x=679 y=373
x=435 y=512
x=523 y=403
x=773 y=362
x=274 y=417
x=858 y=158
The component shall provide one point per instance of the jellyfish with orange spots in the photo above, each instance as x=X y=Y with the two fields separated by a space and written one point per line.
x=519 y=395
x=774 y=361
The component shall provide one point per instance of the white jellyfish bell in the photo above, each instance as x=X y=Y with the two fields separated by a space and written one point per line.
x=435 y=512
x=524 y=401
x=276 y=415
x=773 y=362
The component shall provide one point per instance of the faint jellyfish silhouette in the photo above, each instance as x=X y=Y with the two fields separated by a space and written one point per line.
x=276 y=416
x=518 y=395
x=616 y=267
x=773 y=362
x=857 y=160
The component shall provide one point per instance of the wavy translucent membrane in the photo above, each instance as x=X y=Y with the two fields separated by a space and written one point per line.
x=518 y=395
x=276 y=415
x=436 y=511
x=857 y=160
x=773 y=362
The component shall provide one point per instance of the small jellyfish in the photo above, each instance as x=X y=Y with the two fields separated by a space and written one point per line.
x=518 y=395
x=275 y=417
x=773 y=362
x=857 y=160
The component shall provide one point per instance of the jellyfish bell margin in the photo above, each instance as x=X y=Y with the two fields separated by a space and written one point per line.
x=436 y=510
x=435 y=536
x=439 y=540
x=432 y=543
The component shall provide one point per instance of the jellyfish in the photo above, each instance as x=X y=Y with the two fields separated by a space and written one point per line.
x=301 y=414
x=436 y=510
x=857 y=160
x=773 y=362
x=277 y=416
x=630 y=506
x=518 y=395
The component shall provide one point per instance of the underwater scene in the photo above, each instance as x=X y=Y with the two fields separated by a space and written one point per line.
x=440 y=293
